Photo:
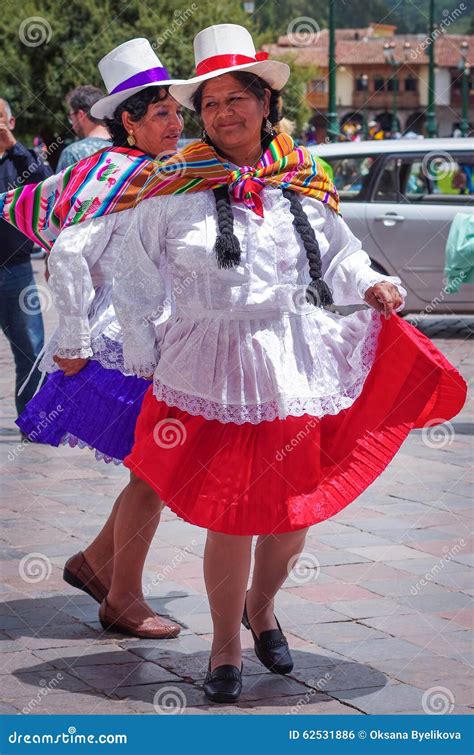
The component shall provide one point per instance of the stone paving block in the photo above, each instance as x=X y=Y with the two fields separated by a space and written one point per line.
x=109 y=676
x=402 y=586
x=334 y=592
x=449 y=601
x=82 y=635
x=334 y=557
x=59 y=702
x=96 y=654
x=259 y=686
x=384 y=648
x=298 y=615
x=463 y=617
x=392 y=698
x=354 y=539
x=355 y=573
x=16 y=661
x=431 y=564
x=160 y=699
x=406 y=624
x=340 y=675
x=359 y=609
x=27 y=684
x=386 y=552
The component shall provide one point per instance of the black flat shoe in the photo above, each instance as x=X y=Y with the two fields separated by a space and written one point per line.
x=224 y=684
x=271 y=648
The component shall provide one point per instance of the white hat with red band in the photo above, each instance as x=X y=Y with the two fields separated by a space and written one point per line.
x=126 y=70
x=226 y=48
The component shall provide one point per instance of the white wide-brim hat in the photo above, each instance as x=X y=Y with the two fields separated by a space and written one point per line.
x=226 y=48
x=126 y=70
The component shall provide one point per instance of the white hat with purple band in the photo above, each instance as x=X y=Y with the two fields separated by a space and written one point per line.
x=225 y=48
x=126 y=70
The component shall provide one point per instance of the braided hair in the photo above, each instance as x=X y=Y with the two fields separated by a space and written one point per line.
x=318 y=292
x=227 y=247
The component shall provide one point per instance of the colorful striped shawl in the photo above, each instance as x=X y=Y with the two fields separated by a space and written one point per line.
x=117 y=178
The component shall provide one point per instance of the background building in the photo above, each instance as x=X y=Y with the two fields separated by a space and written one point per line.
x=379 y=72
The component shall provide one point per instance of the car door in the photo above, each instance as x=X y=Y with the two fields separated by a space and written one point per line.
x=413 y=202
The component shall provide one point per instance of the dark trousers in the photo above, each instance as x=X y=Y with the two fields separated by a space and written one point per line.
x=22 y=323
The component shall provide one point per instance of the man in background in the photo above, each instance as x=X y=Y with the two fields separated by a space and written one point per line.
x=20 y=307
x=92 y=133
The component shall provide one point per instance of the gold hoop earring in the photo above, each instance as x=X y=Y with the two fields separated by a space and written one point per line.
x=131 y=139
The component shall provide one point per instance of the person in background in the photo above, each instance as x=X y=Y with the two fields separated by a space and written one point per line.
x=20 y=308
x=92 y=133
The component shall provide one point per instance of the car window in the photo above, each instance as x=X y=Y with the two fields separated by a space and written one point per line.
x=388 y=182
x=437 y=177
x=434 y=177
x=351 y=174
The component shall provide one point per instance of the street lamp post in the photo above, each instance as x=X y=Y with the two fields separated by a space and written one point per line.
x=465 y=74
x=431 y=126
x=389 y=52
x=333 y=127
x=365 y=89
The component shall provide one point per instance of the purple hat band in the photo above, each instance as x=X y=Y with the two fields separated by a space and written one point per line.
x=143 y=78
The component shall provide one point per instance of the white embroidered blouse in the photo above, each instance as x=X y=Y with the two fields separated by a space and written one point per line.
x=81 y=266
x=242 y=344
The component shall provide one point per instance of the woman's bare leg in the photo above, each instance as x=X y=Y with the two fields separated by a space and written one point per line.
x=275 y=556
x=136 y=520
x=226 y=572
x=100 y=553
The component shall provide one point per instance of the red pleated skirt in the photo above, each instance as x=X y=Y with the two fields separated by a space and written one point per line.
x=284 y=475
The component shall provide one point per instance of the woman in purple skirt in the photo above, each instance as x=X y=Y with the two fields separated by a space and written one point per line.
x=88 y=399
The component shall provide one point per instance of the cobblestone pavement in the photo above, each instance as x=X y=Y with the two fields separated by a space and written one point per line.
x=377 y=614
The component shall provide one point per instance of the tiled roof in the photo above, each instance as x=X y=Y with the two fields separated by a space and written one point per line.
x=369 y=50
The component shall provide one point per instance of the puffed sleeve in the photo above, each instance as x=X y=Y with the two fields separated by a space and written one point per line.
x=346 y=266
x=140 y=290
x=74 y=253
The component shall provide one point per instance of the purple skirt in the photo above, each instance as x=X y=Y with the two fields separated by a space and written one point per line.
x=97 y=408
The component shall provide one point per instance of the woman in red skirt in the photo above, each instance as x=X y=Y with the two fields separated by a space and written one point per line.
x=268 y=412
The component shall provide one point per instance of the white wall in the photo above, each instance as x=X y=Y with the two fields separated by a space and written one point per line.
x=344 y=86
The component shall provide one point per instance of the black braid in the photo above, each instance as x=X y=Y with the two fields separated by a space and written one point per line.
x=227 y=247
x=318 y=292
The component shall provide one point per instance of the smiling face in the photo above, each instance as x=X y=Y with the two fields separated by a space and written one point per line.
x=158 y=131
x=232 y=115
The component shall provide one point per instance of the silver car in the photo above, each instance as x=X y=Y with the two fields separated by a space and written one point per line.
x=399 y=198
